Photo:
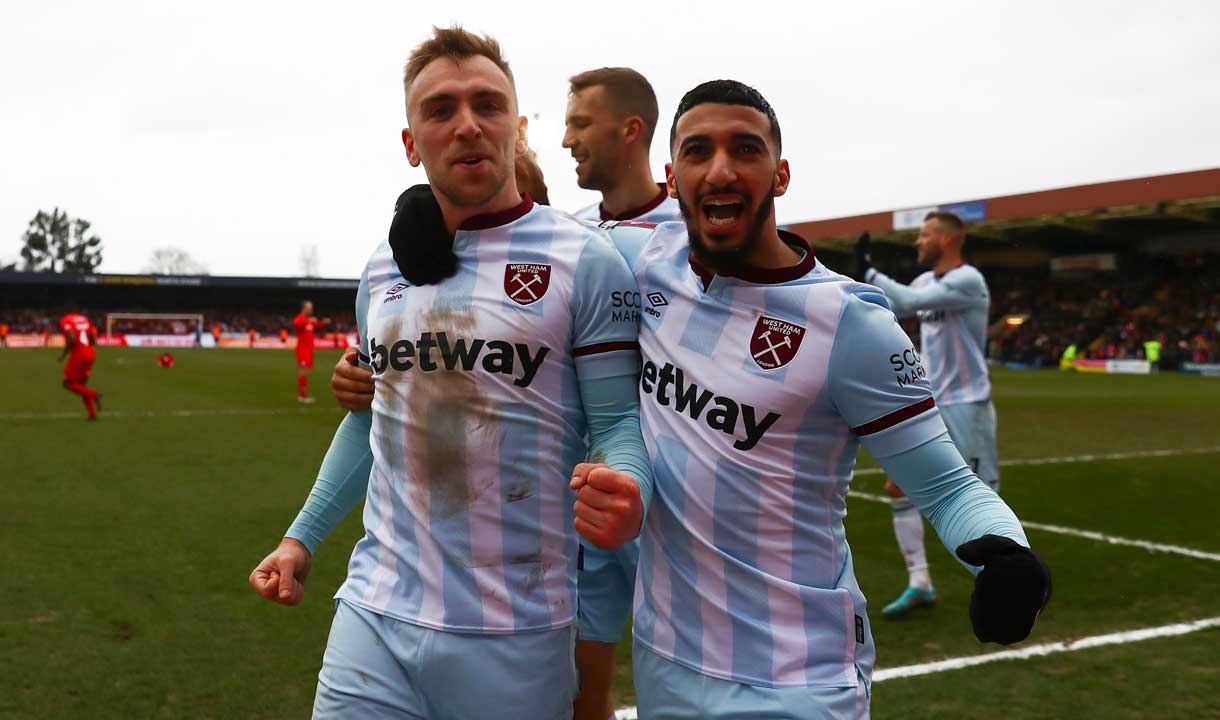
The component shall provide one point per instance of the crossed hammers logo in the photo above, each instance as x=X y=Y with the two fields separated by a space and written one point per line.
x=525 y=286
x=772 y=347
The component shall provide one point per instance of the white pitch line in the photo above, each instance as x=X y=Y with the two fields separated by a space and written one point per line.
x=1151 y=546
x=1086 y=458
x=1118 y=638
x=1089 y=534
x=222 y=412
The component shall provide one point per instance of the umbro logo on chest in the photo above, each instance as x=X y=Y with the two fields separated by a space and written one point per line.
x=394 y=293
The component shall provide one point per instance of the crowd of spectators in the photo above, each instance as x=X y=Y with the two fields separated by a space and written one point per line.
x=1035 y=314
x=1174 y=301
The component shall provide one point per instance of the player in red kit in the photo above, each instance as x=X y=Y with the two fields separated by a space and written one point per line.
x=79 y=338
x=304 y=325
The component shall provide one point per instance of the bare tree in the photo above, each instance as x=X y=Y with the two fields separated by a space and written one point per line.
x=309 y=261
x=174 y=261
x=55 y=242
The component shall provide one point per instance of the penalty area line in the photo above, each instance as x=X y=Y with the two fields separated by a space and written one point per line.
x=1087 y=534
x=1136 y=454
x=1118 y=638
x=958 y=663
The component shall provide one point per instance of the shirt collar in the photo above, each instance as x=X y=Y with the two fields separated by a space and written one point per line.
x=487 y=221
x=764 y=276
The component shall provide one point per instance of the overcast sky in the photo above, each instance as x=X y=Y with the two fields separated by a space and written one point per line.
x=245 y=131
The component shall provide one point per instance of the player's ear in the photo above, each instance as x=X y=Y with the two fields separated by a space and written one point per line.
x=632 y=129
x=408 y=142
x=671 y=184
x=523 y=139
x=782 y=177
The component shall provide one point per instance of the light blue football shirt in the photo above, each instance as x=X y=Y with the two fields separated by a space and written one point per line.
x=477 y=421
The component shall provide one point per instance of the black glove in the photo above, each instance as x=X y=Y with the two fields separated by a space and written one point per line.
x=1013 y=587
x=864 y=255
x=422 y=247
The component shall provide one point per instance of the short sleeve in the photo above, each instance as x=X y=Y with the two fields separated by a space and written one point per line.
x=605 y=312
x=877 y=380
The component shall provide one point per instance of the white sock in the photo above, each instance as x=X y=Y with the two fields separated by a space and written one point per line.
x=908 y=528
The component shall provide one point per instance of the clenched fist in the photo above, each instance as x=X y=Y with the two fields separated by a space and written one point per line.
x=280 y=577
x=352 y=384
x=609 y=511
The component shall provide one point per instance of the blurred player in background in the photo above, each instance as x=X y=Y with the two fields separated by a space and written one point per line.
x=489 y=329
x=610 y=121
x=79 y=339
x=951 y=300
x=304 y=325
x=3 y=335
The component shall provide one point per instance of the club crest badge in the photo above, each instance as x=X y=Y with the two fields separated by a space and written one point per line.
x=526 y=283
x=774 y=342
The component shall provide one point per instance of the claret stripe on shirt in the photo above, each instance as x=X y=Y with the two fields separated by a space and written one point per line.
x=605 y=347
x=889 y=421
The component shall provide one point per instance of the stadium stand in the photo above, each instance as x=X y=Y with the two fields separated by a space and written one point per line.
x=33 y=302
x=1106 y=267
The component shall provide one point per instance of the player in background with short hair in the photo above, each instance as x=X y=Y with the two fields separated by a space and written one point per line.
x=304 y=325
x=951 y=300
x=609 y=125
x=80 y=337
x=494 y=350
x=3 y=335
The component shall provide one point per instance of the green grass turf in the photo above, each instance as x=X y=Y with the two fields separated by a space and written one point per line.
x=125 y=546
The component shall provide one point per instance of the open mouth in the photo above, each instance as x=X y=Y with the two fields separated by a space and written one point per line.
x=470 y=160
x=723 y=211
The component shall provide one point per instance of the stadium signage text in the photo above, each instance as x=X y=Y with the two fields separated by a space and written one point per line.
x=461 y=354
x=693 y=400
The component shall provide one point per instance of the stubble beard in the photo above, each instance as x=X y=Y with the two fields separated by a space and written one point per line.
x=461 y=195
x=727 y=259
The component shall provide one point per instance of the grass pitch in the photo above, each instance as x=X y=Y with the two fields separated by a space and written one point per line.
x=125 y=546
